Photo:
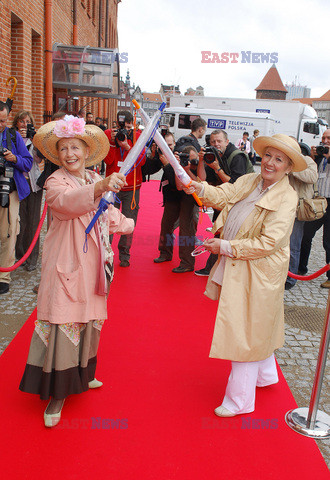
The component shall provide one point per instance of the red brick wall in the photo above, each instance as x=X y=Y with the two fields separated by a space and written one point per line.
x=23 y=44
x=271 y=94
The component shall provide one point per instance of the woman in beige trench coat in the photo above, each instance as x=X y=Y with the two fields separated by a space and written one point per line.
x=257 y=215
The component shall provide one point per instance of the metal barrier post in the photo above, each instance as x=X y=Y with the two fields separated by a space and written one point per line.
x=311 y=421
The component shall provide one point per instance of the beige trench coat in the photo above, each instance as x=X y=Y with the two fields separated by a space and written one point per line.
x=250 y=318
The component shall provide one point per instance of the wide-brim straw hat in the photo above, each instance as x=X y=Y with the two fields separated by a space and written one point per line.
x=45 y=141
x=285 y=144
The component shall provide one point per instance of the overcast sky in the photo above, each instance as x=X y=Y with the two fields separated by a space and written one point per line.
x=164 y=40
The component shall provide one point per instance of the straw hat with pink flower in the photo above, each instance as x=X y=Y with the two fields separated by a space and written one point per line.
x=49 y=134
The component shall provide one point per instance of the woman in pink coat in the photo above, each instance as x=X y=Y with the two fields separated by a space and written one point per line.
x=75 y=278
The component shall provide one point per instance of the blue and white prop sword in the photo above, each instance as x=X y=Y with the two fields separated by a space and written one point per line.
x=143 y=140
x=179 y=171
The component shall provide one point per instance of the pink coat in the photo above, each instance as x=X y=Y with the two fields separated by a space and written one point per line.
x=67 y=291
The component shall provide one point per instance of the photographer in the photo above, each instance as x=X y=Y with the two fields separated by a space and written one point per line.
x=243 y=143
x=29 y=208
x=198 y=129
x=224 y=163
x=179 y=206
x=121 y=141
x=14 y=160
x=321 y=155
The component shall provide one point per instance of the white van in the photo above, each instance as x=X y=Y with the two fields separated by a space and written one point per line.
x=234 y=123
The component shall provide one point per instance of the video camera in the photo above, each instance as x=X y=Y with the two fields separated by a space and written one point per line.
x=6 y=179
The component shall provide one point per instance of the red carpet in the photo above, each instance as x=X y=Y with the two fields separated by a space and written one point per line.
x=153 y=418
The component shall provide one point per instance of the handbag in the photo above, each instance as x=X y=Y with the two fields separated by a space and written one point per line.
x=310 y=209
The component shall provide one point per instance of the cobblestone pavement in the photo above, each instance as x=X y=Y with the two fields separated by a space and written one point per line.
x=297 y=358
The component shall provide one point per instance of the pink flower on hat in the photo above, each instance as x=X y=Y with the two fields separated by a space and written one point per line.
x=77 y=126
x=69 y=127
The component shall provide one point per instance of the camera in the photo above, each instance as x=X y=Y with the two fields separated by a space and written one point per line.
x=321 y=150
x=243 y=146
x=210 y=155
x=6 y=179
x=184 y=159
x=30 y=131
x=122 y=132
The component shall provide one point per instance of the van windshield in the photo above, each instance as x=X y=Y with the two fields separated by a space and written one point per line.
x=185 y=121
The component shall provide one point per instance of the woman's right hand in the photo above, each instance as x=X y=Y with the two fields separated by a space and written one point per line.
x=113 y=183
x=22 y=132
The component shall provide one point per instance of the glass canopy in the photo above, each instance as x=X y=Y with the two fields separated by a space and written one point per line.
x=86 y=71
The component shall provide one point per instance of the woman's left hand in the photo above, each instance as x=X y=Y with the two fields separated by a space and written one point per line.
x=213 y=245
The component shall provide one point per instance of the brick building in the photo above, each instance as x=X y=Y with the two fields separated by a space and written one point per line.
x=23 y=33
x=271 y=86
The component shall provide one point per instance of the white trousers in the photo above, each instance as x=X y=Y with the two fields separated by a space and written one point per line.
x=243 y=380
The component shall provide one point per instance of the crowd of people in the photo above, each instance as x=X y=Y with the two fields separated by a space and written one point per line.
x=257 y=238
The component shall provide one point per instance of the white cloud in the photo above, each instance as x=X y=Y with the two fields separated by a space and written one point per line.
x=164 y=41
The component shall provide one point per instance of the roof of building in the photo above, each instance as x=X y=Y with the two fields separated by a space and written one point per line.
x=308 y=101
x=272 y=81
x=152 y=97
x=170 y=88
x=326 y=96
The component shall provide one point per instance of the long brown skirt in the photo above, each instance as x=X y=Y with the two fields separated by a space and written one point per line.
x=59 y=367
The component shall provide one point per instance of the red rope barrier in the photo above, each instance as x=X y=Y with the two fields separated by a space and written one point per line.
x=312 y=276
x=31 y=247
x=43 y=216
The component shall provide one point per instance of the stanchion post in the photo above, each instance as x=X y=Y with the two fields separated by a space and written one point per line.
x=313 y=422
x=320 y=367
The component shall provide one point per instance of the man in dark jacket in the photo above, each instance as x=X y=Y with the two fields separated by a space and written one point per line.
x=14 y=160
x=233 y=164
x=198 y=129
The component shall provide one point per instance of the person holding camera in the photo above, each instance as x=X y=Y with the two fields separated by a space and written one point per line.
x=224 y=163
x=14 y=160
x=252 y=154
x=321 y=155
x=198 y=129
x=29 y=208
x=121 y=141
x=243 y=143
x=182 y=207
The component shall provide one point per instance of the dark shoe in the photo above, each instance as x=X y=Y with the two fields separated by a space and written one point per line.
x=30 y=268
x=162 y=259
x=300 y=272
x=4 y=287
x=326 y=284
x=182 y=269
x=203 y=272
x=124 y=263
x=288 y=285
x=35 y=289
